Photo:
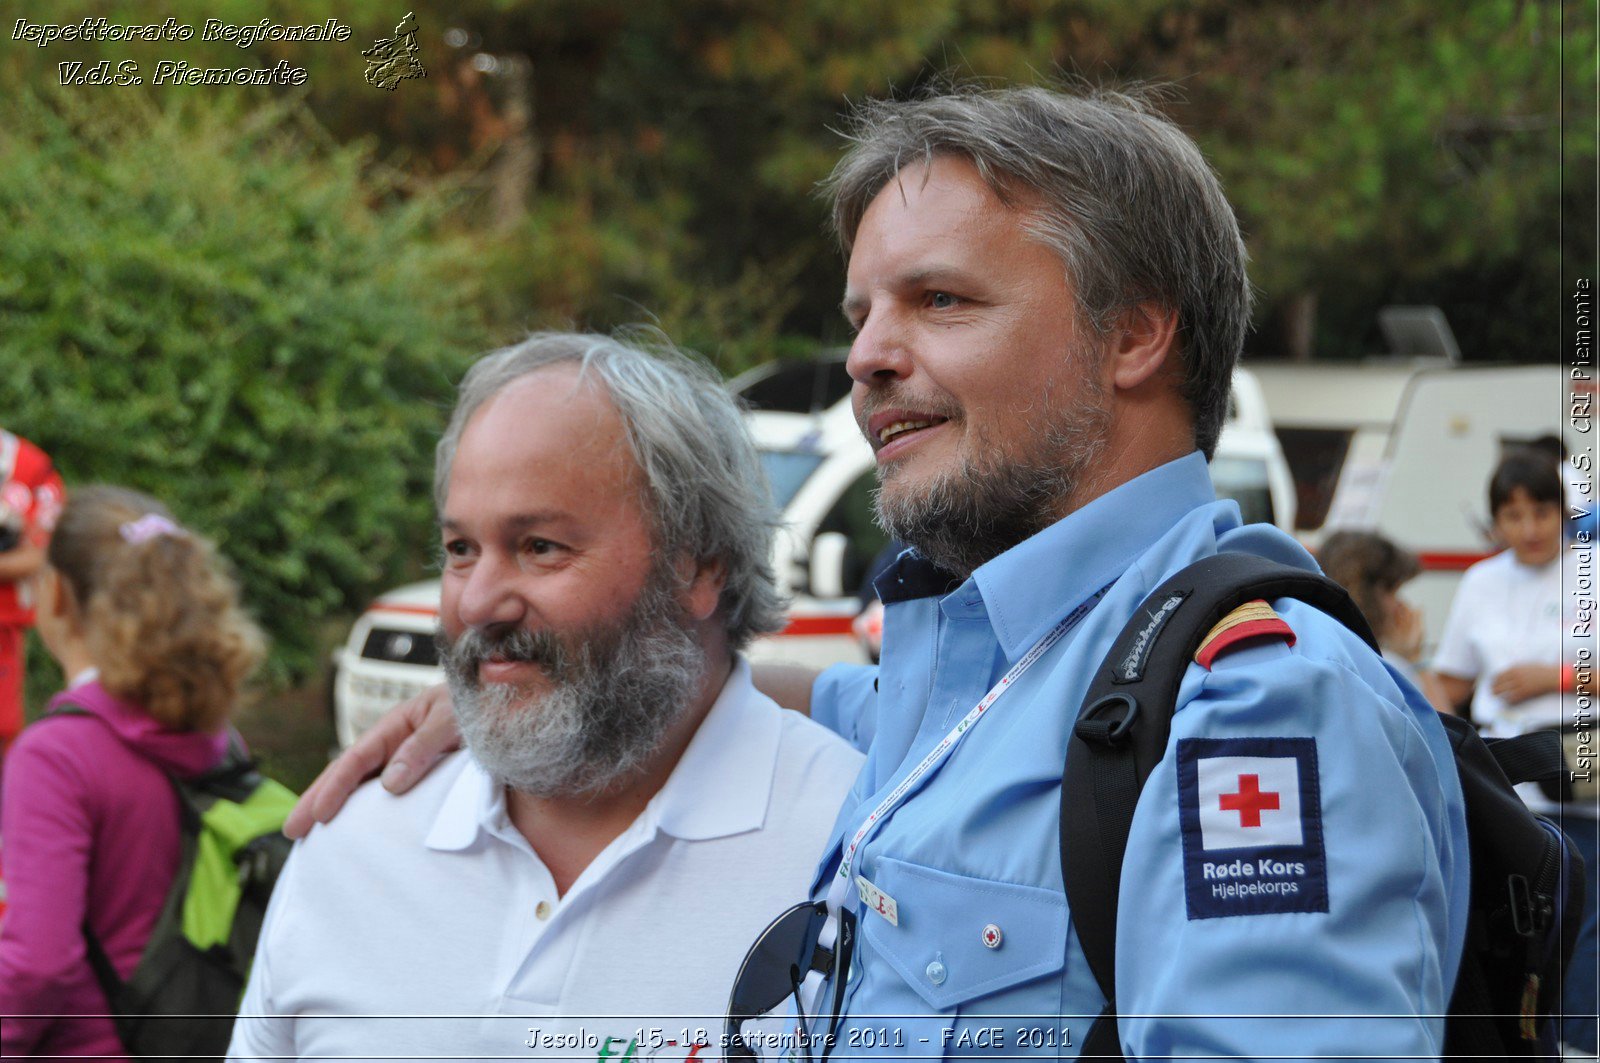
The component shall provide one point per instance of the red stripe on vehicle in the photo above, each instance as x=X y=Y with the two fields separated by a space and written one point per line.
x=1450 y=562
x=817 y=625
x=391 y=607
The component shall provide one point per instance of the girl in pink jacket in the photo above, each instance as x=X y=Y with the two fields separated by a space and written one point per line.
x=147 y=628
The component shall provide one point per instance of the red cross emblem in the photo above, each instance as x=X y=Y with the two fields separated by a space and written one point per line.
x=1249 y=802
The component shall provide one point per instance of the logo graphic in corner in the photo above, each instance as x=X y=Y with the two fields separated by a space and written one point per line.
x=1251 y=814
x=393 y=59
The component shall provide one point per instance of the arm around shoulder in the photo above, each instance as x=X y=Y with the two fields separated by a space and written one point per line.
x=844 y=699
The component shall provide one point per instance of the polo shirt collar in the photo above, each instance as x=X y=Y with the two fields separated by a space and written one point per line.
x=1029 y=588
x=721 y=786
x=723 y=781
x=473 y=805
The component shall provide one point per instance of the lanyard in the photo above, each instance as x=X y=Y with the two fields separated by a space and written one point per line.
x=839 y=890
x=840 y=887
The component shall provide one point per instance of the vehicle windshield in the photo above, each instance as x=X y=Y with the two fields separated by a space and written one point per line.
x=787 y=471
x=1245 y=481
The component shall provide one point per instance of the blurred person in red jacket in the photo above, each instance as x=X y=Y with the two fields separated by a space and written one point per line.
x=30 y=501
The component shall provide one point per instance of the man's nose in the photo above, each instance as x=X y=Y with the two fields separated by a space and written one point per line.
x=490 y=597
x=880 y=352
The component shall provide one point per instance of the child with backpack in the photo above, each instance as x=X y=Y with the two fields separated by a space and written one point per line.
x=148 y=630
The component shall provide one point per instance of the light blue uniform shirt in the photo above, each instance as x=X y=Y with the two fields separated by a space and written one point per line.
x=971 y=858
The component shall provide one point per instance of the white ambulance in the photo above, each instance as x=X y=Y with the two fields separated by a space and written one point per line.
x=821 y=472
x=1405 y=447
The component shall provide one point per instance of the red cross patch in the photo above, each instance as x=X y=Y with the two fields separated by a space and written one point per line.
x=1249 y=801
x=1251 y=818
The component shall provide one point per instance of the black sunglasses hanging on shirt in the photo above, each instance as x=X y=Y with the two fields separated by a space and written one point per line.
x=779 y=961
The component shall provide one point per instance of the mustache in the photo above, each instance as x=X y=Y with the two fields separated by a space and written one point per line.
x=897 y=396
x=462 y=656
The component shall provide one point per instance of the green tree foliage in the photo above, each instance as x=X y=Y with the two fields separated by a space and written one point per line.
x=212 y=305
x=1377 y=150
x=1393 y=153
x=203 y=293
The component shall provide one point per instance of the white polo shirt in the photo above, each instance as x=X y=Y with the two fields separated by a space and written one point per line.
x=1506 y=613
x=425 y=925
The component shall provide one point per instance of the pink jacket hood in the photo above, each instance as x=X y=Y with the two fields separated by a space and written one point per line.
x=183 y=753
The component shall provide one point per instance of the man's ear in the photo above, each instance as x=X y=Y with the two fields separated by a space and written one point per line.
x=700 y=586
x=1141 y=343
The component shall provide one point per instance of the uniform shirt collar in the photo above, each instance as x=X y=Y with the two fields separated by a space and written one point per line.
x=721 y=785
x=1027 y=589
x=910 y=575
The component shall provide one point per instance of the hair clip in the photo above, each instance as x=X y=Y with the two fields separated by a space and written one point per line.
x=149 y=527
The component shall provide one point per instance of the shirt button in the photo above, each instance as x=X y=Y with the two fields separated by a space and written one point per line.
x=936 y=973
x=542 y=910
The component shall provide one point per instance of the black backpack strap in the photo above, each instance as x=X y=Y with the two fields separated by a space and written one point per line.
x=1532 y=757
x=104 y=972
x=1122 y=731
x=124 y=997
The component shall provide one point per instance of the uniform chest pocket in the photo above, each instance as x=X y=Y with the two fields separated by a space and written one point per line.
x=960 y=938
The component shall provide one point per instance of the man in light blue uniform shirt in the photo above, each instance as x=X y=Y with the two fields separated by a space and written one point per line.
x=1049 y=297
x=1034 y=460
x=977 y=845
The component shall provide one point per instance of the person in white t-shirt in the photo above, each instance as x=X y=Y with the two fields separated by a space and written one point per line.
x=581 y=882
x=1509 y=642
x=1520 y=624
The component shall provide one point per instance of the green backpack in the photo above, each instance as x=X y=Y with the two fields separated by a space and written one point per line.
x=182 y=997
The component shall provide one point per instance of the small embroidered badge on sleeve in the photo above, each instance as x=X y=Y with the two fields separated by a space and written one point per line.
x=1251 y=814
x=1251 y=621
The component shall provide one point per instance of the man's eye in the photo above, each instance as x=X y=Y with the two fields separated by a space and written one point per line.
x=456 y=548
x=942 y=300
x=538 y=546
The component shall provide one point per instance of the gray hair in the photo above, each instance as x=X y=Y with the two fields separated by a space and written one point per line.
x=708 y=495
x=1126 y=200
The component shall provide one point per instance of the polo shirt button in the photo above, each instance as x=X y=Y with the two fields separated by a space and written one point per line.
x=936 y=973
x=542 y=910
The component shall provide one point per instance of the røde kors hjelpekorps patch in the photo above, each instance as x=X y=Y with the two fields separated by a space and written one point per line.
x=1250 y=811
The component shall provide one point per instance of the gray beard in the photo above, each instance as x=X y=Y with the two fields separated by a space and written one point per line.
x=990 y=503
x=614 y=694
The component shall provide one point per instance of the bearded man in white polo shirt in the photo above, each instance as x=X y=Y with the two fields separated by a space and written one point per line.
x=584 y=879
